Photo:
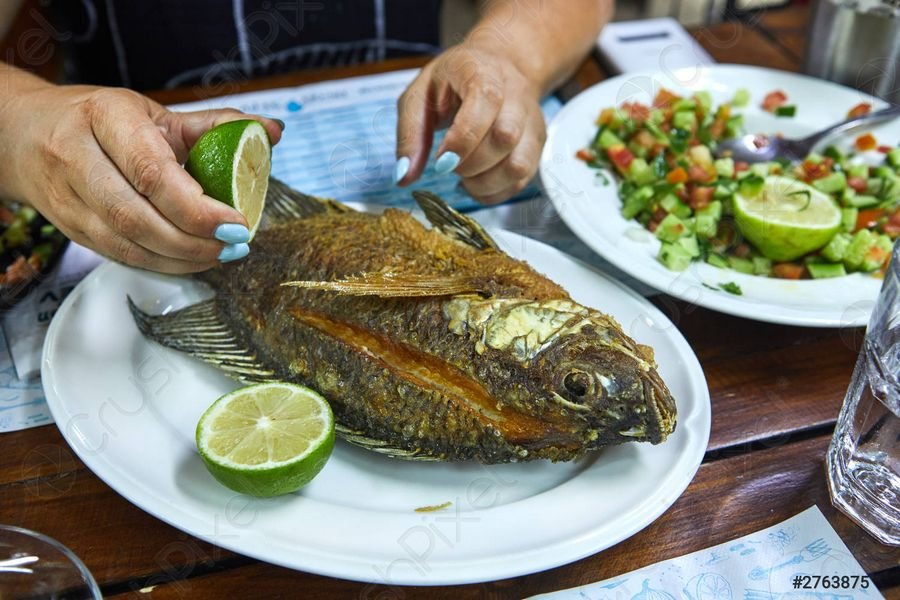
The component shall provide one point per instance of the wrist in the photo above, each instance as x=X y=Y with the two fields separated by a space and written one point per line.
x=508 y=62
x=17 y=117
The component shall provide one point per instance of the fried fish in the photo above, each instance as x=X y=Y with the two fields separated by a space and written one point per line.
x=430 y=344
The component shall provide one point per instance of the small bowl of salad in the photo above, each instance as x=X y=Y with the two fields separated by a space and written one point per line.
x=29 y=247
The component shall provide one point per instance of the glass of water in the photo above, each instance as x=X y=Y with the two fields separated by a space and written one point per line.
x=864 y=457
x=33 y=565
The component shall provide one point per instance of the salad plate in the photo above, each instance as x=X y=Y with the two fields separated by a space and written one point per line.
x=591 y=207
x=365 y=517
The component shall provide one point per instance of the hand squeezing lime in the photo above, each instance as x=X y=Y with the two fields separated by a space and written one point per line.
x=267 y=439
x=232 y=162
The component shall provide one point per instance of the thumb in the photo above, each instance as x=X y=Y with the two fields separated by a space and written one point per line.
x=183 y=129
x=415 y=130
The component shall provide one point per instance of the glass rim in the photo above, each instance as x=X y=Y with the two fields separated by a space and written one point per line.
x=57 y=545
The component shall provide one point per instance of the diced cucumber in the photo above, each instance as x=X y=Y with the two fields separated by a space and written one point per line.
x=834 y=153
x=893 y=158
x=848 y=219
x=714 y=208
x=825 y=270
x=674 y=257
x=741 y=265
x=684 y=104
x=608 y=139
x=672 y=204
x=704 y=100
x=751 y=185
x=813 y=158
x=684 y=120
x=734 y=127
x=836 y=249
x=640 y=172
x=861 y=171
x=725 y=189
x=724 y=167
x=657 y=116
x=671 y=228
x=705 y=225
x=760 y=169
x=633 y=205
x=690 y=245
x=882 y=171
x=863 y=240
x=741 y=97
x=877 y=254
x=637 y=150
x=762 y=265
x=831 y=184
x=860 y=200
x=717 y=260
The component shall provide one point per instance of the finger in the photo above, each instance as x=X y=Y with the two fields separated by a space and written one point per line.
x=415 y=130
x=109 y=195
x=183 y=129
x=511 y=175
x=504 y=135
x=124 y=130
x=481 y=102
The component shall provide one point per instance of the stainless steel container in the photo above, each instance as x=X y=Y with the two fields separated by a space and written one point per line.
x=857 y=43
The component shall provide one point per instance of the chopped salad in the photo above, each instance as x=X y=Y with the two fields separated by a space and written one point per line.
x=670 y=182
x=29 y=245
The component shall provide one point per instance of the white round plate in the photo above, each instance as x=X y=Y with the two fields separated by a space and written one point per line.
x=592 y=209
x=129 y=407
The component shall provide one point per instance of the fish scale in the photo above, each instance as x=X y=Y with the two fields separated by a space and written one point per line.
x=430 y=344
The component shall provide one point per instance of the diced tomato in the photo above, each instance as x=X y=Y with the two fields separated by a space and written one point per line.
x=742 y=250
x=620 y=156
x=863 y=108
x=644 y=139
x=677 y=175
x=700 y=196
x=19 y=271
x=877 y=255
x=884 y=149
x=892 y=227
x=813 y=170
x=868 y=218
x=700 y=174
x=788 y=270
x=740 y=165
x=659 y=214
x=652 y=226
x=585 y=154
x=773 y=100
x=636 y=111
x=665 y=98
x=857 y=183
x=866 y=141
x=606 y=115
x=6 y=215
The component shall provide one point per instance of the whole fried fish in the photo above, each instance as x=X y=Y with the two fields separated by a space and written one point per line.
x=428 y=343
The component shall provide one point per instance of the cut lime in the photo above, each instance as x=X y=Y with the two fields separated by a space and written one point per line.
x=787 y=218
x=267 y=439
x=232 y=162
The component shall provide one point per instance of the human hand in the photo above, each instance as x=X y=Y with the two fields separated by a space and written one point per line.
x=104 y=165
x=496 y=128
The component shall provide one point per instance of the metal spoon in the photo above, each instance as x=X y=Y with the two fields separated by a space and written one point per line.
x=761 y=148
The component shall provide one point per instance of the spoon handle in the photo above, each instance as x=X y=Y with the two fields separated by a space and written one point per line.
x=879 y=116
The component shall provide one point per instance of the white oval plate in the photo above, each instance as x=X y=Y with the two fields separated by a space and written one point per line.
x=128 y=407
x=592 y=210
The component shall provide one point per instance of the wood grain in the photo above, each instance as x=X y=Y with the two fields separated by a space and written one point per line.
x=738 y=44
x=34 y=455
x=728 y=498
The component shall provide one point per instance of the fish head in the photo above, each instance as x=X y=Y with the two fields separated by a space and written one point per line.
x=585 y=377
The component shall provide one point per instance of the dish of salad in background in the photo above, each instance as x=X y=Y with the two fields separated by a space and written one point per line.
x=29 y=248
x=789 y=243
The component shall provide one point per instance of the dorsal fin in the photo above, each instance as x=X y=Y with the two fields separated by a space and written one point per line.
x=452 y=223
x=284 y=203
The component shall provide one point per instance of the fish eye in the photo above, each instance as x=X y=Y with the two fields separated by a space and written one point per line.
x=577 y=383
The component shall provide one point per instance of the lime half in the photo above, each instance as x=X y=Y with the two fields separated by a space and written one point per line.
x=787 y=218
x=267 y=439
x=232 y=162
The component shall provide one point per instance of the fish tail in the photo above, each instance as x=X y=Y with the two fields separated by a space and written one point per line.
x=199 y=330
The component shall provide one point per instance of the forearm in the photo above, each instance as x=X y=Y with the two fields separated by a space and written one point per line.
x=545 y=39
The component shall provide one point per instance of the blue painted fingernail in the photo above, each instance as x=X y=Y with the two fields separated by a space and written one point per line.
x=401 y=168
x=446 y=162
x=233 y=252
x=280 y=123
x=232 y=233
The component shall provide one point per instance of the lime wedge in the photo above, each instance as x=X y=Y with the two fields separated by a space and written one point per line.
x=787 y=218
x=232 y=162
x=267 y=439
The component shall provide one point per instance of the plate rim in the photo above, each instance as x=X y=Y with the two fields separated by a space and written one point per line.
x=453 y=573
x=768 y=311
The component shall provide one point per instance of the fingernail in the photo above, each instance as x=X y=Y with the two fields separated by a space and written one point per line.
x=280 y=123
x=401 y=168
x=233 y=252
x=446 y=162
x=232 y=233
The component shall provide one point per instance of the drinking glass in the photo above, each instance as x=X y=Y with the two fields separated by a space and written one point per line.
x=35 y=566
x=863 y=460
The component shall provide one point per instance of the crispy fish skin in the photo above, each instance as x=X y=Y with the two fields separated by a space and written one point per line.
x=497 y=365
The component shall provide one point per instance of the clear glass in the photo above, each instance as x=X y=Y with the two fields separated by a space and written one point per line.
x=35 y=566
x=863 y=460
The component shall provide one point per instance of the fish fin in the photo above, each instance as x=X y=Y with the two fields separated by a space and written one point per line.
x=359 y=438
x=199 y=331
x=284 y=203
x=395 y=284
x=453 y=223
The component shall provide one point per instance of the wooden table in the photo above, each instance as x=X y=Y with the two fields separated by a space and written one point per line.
x=775 y=390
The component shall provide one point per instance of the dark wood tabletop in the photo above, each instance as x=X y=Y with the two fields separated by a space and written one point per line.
x=776 y=391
